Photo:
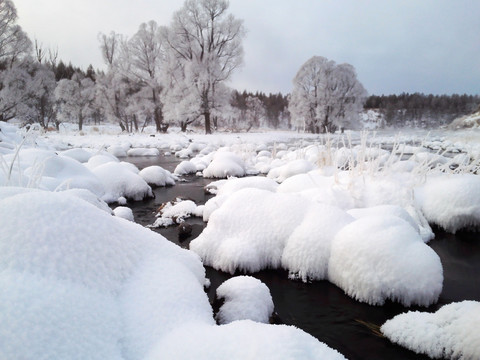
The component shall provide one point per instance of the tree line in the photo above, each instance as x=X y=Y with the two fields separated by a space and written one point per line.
x=177 y=75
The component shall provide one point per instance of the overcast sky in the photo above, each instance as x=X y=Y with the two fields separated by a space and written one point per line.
x=429 y=46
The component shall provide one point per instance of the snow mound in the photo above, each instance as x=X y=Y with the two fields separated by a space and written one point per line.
x=241 y=340
x=451 y=202
x=120 y=181
x=124 y=212
x=378 y=258
x=76 y=281
x=81 y=155
x=451 y=332
x=246 y=298
x=175 y=212
x=156 y=175
x=185 y=167
x=225 y=164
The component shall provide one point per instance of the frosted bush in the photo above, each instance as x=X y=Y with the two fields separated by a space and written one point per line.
x=246 y=298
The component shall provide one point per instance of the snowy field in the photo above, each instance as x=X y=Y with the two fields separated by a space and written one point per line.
x=80 y=280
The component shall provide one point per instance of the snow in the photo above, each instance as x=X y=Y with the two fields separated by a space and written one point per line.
x=158 y=176
x=69 y=275
x=241 y=340
x=185 y=167
x=295 y=167
x=143 y=152
x=120 y=181
x=451 y=332
x=246 y=298
x=124 y=212
x=175 y=212
x=225 y=164
x=382 y=257
x=451 y=202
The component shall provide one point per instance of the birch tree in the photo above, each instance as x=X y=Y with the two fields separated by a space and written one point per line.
x=207 y=43
x=325 y=96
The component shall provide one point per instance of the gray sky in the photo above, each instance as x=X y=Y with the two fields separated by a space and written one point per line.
x=429 y=46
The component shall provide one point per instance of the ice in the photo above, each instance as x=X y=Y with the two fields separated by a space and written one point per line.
x=246 y=298
x=225 y=164
x=451 y=332
x=382 y=257
x=156 y=175
x=451 y=202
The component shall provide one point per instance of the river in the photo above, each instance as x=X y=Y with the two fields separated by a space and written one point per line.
x=320 y=308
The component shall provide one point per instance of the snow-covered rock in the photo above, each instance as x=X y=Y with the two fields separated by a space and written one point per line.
x=451 y=332
x=143 y=152
x=185 y=167
x=245 y=298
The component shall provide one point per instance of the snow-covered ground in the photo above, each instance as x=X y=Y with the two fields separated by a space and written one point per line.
x=355 y=209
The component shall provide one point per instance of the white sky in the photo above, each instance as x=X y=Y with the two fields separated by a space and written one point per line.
x=429 y=46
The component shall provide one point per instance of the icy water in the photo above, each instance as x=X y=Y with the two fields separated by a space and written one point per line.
x=320 y=308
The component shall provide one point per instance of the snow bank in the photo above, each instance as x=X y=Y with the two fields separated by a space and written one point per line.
x=225 y=164
x=451 y=202
x=241 y=340
x=246 y=298
x=156 y=175
x=451 y=332
x=383 y=257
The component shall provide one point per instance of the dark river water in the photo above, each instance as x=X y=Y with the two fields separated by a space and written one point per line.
x=320 y=308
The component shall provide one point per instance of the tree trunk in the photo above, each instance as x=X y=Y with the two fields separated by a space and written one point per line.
x=183 y=126
x=135 y=123
x=80 y=121
x=157 y=112
x=208 y=129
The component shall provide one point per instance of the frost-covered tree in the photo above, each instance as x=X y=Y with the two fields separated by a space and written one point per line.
x=14 y=84
x=142 y=62
x=14 y=42
x=75 y=99
x=255 y=112
x=325 y=96
x=207 y=42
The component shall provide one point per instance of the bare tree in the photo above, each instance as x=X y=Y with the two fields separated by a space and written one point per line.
x=325 y=96
x=207 y=42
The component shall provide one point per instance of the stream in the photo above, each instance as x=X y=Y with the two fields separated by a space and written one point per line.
x=320 y=308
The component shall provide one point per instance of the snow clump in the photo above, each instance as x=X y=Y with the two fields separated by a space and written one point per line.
x=246 y=298
x=225 y=164
x=124 y=212
x=451 y=332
